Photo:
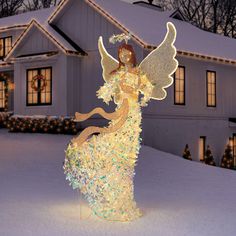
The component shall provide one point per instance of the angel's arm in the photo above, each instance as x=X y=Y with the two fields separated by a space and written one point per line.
x=79 y=117
x=123 y=114
x=145 y=88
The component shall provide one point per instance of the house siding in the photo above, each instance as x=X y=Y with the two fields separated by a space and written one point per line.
x=59 y=87
x=170 y=127
x=36 y=43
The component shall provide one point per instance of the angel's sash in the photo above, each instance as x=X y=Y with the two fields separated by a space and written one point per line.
x=121 y=114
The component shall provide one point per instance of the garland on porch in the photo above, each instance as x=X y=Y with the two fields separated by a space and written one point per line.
x=4 y=117
x=42 y=124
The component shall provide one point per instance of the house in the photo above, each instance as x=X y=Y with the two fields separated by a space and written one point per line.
x=52 y=63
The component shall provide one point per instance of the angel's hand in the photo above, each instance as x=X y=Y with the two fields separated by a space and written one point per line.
x=78 y=117
x=144 y=102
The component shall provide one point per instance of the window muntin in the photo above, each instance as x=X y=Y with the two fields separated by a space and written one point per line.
x=179 y=86
x=211 y=88
x=5 y=46
x=37 y=97
x=2 y=95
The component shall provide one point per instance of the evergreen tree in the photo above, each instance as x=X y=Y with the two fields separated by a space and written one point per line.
x=209 y=160
x=186 y=153
x=227 y=159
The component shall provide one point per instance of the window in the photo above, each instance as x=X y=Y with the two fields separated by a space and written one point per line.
x=39 y=86
x=202 y=148
x=5 y=46
x=234 y=149
x=179 y=86
x=2 y=95
x=211 y=89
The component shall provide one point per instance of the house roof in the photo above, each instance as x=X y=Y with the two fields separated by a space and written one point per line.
x=47 y=30
x=149 y=28
x=40 y=20
x=23 y=19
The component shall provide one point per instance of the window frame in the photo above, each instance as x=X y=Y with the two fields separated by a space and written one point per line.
x=207 y=102
x=4 y=46
x=39 y=93
x=184 y=92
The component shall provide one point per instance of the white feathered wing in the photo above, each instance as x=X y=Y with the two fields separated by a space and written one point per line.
x=160 y=64
x=108 y=62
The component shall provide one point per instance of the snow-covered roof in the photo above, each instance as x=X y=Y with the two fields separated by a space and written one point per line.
x=24 y=19
x=39 y=19
x=148 y=27
x=47 y=30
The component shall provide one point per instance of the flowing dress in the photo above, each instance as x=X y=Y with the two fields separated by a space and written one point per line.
x=103 y=167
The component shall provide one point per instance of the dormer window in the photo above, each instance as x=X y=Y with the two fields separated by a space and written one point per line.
x=5 y=46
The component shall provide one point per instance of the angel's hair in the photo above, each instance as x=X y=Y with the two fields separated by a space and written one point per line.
x=133 y=56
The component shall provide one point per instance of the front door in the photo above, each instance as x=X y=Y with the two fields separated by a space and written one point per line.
x=2 y=95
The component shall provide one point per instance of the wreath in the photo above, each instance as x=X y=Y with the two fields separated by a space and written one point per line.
x=34 y=83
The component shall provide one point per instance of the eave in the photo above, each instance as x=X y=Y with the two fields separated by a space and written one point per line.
x=44 y=31
x=140 y=41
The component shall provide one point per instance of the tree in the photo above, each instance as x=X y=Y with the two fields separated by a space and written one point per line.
x=186 y=153
x=217 y=16
x=31 y=5
x=9 y=7
x=209 y=160
x=227 y=159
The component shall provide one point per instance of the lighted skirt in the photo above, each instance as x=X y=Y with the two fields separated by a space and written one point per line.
x=103 y=169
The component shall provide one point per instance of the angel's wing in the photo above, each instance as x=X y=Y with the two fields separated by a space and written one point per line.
x=108 y=62
x=160 y=64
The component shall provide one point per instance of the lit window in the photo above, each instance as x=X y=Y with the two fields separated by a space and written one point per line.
x=2 y=95
x=234 y=149
x=211 y=88
x=179 y=86
x=202 y=148
x=39 y=86
x=5 y=46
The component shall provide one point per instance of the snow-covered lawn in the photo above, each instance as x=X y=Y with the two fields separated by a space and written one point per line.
x=178 y=197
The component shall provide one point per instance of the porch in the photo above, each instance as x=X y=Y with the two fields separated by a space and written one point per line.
x=6 y=87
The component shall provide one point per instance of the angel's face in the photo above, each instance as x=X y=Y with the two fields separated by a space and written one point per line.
x=125 y=56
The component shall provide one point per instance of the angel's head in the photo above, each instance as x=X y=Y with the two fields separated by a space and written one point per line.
x=126 y=55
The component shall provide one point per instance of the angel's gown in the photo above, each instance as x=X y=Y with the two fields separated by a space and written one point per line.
x=103 y=168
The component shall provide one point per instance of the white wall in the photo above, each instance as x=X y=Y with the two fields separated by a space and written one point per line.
x=59 y=87
x=169 y=127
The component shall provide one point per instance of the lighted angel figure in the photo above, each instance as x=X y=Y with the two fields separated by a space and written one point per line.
x=102 y=165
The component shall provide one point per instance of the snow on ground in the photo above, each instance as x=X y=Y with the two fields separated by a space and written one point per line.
x=178 y=197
